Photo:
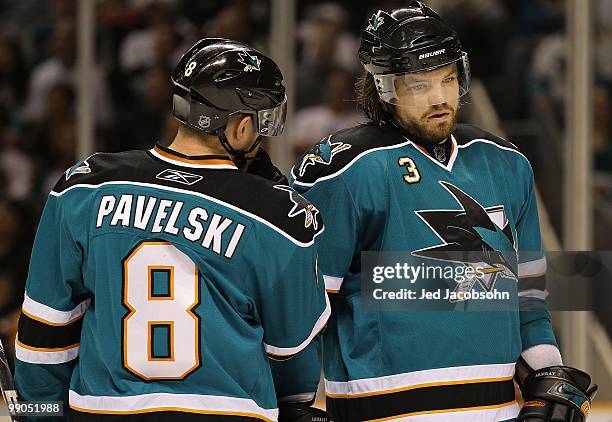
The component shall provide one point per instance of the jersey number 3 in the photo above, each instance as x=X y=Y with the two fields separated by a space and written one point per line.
x=413 y=175
x=161 y=333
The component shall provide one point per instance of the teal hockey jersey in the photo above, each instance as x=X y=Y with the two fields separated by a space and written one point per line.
x=379 y=191
x=162 y=284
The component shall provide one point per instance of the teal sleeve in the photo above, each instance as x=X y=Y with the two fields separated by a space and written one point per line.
x=339 y=244
x=40 y=382
x=535 y=319
x=55 y=301
x=293 y=303
x=296 y=380
x=56 y=265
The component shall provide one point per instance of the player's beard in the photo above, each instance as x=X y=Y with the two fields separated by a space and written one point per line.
x=427 y=132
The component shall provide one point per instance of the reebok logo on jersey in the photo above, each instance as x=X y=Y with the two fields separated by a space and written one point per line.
x=179 y=177
x=431 y=54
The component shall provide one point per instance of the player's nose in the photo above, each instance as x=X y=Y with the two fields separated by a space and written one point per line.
x=436 y=95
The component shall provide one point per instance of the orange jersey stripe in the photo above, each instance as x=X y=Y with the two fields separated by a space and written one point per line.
x=170 y=409
x=44 y=349
x=189 y=161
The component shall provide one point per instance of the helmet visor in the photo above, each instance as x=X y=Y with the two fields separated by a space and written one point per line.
x=271 y=121
x=439 y=85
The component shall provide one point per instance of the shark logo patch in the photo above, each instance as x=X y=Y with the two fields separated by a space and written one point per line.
x=250 y=63
x=79 y=168
x=301 y=205
x=322 y=153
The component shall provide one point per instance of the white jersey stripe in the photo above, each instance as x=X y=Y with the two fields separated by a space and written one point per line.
x=201 y=195
x=46 y=357
x=169 y=401
x=418 y=378
x=532 y=268
x=332 y=284
x=534 y=293
x=495 y=144
x=53 y=316
x=288 y=351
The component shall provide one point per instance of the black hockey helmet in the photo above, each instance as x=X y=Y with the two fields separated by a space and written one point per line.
x=217 y=78
x=410 y=40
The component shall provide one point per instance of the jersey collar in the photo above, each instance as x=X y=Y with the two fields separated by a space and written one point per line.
x=453 y=154
x=193 y=161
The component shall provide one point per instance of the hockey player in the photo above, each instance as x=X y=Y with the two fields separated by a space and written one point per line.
x=413 y=180
x=160 y=279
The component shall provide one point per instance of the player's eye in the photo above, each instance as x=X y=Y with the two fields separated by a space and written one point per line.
x=418 y=87
x=449 y=80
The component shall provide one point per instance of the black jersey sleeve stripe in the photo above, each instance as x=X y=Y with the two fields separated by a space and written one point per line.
x=37 y=334
x=532 y=283
x=434 y=399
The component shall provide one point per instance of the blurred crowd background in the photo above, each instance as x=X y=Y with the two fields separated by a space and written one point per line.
x=517 y=50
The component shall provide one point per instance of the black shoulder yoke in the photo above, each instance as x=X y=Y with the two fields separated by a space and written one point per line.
x=337 y=151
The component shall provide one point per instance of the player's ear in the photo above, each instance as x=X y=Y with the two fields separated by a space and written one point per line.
x=246 y=126
x=240 y=131
x=245 y=130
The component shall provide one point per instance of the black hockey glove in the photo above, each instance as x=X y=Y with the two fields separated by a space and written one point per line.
x=557 y=393
x=262 y=166
x=300 y=412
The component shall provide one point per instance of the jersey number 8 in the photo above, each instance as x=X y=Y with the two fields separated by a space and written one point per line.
x=161 y=333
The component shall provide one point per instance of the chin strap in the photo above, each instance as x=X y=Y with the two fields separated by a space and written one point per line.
x=239 y=155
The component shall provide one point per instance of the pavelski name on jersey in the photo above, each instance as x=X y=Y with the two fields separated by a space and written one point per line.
x=157 y=215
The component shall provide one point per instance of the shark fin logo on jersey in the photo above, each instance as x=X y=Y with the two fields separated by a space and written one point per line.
x=322 y=153
x=79 y=168
x=179 y=177
x=375 y=21
x=250 y=63
x=301 y=205
x=461 y=232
